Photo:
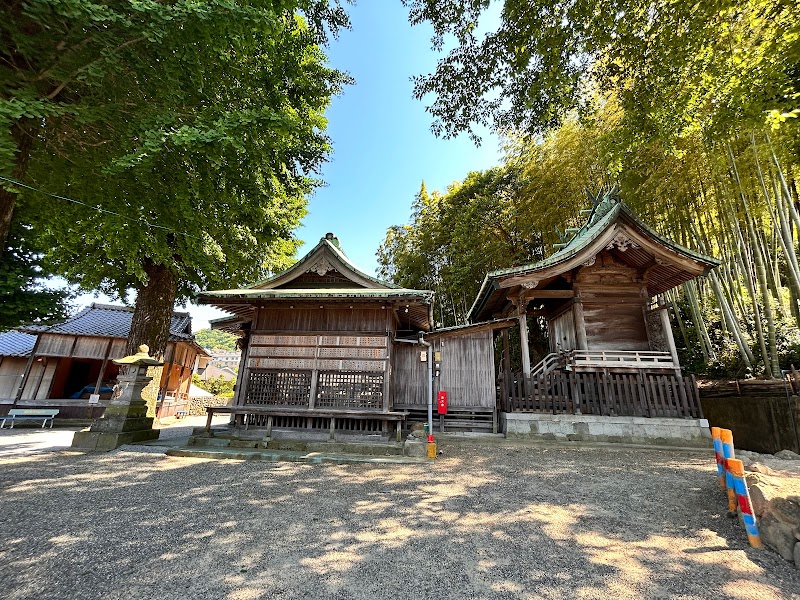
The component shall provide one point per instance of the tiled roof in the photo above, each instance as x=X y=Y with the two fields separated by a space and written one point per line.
x=108 y=320
x=16 y=343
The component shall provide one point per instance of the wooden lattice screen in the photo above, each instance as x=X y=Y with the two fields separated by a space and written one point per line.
x=282 y=388
x=350 y=390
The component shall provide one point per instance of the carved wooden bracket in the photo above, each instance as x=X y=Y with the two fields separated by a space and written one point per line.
x=621 y=242
x=321 y=266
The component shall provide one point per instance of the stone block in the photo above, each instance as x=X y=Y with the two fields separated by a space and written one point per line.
x=415 y=447
x=778 y=535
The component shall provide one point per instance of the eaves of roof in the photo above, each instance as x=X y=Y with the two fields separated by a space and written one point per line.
x=352 y=293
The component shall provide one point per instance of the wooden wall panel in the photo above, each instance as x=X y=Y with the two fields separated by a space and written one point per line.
x=117 y=349
x=12 y=369
x=562 y=331
x=90 y=347
x=467 y=370
x=46 y=379
x=615 y=326
x=409 y=376
x=323 y=319
x=55 y=345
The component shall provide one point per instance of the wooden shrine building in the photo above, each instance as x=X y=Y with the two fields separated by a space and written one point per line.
x=611 y=343
x=319 y=344
x=63 y=365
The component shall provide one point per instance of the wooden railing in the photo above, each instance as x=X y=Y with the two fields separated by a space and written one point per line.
x=597 y=393
x=627 y=359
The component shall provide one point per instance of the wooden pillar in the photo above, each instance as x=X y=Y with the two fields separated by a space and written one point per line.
x=103 y=366
x=580 y=324
x=667 y=327
x=387 y=376
x=168 y=369
x=312 y=397
x=506 y=354
x=27 y=373
x=239 y=395
x=523 y=341
x=242 y=379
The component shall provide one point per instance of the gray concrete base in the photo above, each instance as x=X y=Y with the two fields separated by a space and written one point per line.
x=100 y=441
x=657 y=431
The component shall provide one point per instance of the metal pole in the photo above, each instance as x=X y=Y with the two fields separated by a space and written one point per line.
x=430 y=381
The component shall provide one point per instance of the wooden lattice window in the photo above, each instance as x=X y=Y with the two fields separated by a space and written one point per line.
x=282 y=388
x=350 y=390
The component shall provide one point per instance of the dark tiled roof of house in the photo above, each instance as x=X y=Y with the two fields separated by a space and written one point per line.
x=108 y=320
x=16 y=343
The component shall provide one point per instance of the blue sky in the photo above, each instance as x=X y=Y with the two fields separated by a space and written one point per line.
x=383 y=146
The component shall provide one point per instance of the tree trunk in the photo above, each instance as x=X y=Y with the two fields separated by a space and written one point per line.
x=155 y=302
x=23 y=135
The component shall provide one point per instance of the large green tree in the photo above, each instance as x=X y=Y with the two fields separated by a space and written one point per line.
x=189 y=134
x=673 y=65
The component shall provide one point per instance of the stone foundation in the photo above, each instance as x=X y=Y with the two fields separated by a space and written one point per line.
x=657 y=431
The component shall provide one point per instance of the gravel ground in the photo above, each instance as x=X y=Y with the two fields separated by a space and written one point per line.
x=485 y=521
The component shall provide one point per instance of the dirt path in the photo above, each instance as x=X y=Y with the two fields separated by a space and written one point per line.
x=484 y=522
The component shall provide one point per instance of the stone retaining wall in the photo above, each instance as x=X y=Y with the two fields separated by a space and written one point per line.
x=657 y=431
x=197 y=406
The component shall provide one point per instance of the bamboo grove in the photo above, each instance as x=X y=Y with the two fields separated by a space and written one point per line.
x=690 y=108
x=736 y=200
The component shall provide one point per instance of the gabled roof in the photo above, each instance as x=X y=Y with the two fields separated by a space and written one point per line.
x=16 y=343
x=325 y=273
x=326 y=256
x=109 y=320
x=611 y=224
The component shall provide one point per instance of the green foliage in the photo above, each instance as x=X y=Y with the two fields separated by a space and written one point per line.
x=218 y=386
x=23 y=295
x=705 y=196
x=189 y=131
x=215 y=339
x=675 y=66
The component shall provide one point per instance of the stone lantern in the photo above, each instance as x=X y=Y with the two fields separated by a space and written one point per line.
x=125 y=419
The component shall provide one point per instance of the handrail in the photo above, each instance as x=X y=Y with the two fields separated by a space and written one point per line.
x=549 y=363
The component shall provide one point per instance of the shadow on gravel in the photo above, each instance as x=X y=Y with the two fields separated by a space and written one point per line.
x=484 y=523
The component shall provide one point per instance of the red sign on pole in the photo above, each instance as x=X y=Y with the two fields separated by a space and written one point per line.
x=441 y=402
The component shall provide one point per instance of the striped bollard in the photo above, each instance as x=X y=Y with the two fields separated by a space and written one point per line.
x=736 y=468
x=726 y=436
x=715 y=433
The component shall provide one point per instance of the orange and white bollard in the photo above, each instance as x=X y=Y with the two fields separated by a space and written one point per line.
x=715 y=433
x=736 y=468
x=726 y=436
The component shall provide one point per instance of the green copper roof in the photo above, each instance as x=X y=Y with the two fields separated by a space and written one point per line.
x=604 y=214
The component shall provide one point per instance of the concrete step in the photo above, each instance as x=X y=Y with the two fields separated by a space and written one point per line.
x=365 y=448
x=290 y=456
x=206 y=442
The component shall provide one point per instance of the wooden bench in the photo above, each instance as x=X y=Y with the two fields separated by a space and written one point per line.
x=29 y=414
x=331 y=414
